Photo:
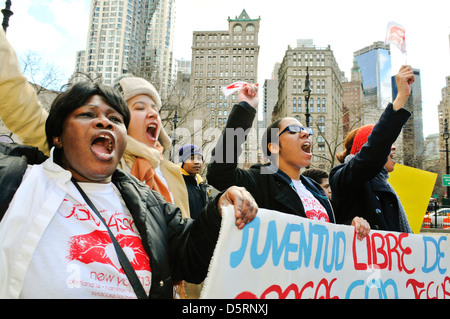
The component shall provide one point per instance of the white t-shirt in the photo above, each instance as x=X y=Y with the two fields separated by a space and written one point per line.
x=75 y=257
x=313 y=208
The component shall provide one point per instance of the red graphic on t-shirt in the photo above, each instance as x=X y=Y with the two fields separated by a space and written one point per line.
x=98 y=247
x=317 y=215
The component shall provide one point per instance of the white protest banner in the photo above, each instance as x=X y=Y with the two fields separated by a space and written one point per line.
x=285 y=256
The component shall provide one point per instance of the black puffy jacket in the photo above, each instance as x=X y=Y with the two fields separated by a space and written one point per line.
x=178 y=248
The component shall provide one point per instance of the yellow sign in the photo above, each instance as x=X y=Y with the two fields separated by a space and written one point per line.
x=414 y=187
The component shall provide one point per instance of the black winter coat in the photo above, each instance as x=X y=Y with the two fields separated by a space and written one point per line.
x=357 y=188
x=198 y=195
x=273 y=191
x=178 y=248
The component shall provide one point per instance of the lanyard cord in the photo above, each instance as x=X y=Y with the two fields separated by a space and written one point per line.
x=124 y=262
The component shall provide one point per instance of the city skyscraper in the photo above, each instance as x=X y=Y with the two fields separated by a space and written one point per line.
x=270 y=95
x=220 y=58
x=412 y=134
x=157 y=61
x=130 y=36
x=352 y=97
x=444 y=114
x=374 y=62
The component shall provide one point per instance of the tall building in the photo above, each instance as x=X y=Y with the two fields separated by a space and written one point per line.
x=412 y=132
x=375 y=64
x=183 y=66
x=270 y=95
x=157 y=60
x=444 y=114
x=130 y=36
x=325 y=103
x=220 y=58
x=352 y=98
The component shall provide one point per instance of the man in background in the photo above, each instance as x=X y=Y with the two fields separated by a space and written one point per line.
x=321 y=177
x=191 y=159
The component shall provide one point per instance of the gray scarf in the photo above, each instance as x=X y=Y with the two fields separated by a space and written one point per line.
x=383 y=177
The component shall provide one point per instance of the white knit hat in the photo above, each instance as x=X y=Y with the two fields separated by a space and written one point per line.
x=130 y=86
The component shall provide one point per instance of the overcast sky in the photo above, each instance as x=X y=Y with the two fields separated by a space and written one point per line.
x=58 y=28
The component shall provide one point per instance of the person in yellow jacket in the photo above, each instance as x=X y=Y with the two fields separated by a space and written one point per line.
x=22 y=114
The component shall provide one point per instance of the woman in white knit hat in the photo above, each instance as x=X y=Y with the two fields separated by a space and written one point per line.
x=141 y=157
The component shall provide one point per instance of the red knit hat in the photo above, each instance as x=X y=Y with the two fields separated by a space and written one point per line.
x=361 y=138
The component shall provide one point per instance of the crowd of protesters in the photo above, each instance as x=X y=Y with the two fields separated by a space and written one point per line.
x=99 y=150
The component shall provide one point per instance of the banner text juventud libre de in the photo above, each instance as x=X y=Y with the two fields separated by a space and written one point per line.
x=285 y=256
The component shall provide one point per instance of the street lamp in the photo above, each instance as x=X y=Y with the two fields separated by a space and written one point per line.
x=6 y=14
x=446 y=136
x=307 y=92
x=174 y=134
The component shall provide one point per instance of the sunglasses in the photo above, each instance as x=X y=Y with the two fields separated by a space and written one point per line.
x=297 y=129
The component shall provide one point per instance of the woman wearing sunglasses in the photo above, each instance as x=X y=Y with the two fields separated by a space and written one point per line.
x=278 y=184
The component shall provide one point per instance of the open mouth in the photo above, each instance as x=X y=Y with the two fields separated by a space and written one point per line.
x=152 y=130
x=306 y=147
x=103 y=146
